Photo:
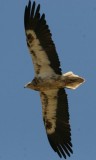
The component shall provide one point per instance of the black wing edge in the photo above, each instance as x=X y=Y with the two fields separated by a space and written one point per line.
x=31 y=16
x=60 y=140
x=62 y=149
x=37 y=23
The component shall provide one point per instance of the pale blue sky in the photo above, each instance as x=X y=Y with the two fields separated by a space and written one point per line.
x=22 y=134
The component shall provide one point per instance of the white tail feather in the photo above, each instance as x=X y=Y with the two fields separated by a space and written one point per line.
x=72 y=80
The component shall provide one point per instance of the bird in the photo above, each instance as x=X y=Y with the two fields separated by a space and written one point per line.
x=49 y=80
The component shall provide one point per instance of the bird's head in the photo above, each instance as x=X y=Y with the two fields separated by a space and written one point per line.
x=28 y=85
x=31 y=86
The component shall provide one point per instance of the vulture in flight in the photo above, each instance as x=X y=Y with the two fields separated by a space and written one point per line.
x=49 y=80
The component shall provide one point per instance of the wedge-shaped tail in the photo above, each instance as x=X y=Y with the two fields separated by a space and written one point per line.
x=72 y=80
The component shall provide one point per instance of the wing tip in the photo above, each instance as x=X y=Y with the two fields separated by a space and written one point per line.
x=62 y=149
x=30 y=13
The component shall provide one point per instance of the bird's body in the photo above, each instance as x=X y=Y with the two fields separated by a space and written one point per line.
x=68 y=80
x=49 y=80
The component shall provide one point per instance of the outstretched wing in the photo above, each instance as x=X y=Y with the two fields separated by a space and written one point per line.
x=39 y=41
x=56 y=120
